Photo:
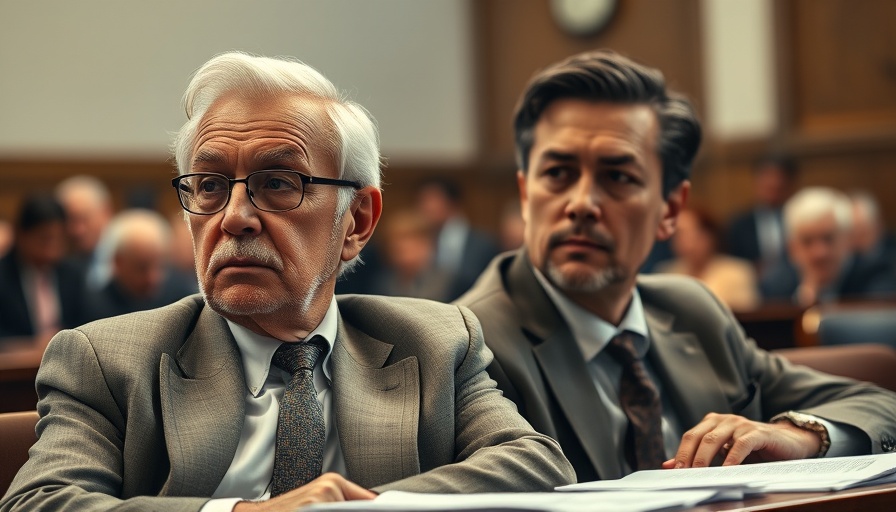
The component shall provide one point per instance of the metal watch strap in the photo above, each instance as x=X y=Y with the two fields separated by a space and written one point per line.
x=807 y=422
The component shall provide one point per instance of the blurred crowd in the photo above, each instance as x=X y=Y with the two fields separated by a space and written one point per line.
x=69 y=257
x=801 y=246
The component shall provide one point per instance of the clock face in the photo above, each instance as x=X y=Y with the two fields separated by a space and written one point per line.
x=582 y=17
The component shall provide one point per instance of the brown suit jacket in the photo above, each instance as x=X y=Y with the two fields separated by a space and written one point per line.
x=702 y=358
x=148 y=408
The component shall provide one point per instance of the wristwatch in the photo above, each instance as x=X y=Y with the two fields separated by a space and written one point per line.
x=807 y=422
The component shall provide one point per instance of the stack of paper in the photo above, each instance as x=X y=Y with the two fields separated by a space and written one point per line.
x=654 y=490
x=811 y=475
x=623 y=501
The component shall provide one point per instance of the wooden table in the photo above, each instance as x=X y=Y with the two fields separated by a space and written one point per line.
x=879 y=498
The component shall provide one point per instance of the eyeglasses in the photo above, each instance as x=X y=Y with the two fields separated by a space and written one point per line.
x=205 y=193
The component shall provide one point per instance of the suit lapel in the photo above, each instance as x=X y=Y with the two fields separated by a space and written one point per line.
x=563 y=368
x=683 y=368
x=203 y=407
x=376 y=408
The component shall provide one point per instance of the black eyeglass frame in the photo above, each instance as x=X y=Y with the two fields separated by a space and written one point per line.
x=306 y=179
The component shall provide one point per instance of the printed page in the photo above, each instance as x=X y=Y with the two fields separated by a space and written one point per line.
x=787 y=476
x=526 y=502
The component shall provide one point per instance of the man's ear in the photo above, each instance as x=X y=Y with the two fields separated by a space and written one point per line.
x=524 y=196
x=676 y=202
x=361 y=219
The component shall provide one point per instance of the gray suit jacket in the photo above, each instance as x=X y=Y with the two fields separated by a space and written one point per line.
x=698 y=350
x=149 y=407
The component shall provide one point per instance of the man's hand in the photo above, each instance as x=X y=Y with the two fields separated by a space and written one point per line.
x=738 y=439
x=325 y=488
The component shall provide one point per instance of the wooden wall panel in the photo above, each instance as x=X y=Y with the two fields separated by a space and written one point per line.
x=843 y=57
x=518 y=37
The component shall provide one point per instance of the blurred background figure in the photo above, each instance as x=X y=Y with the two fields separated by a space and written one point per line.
x=757 y=235
x=139 y=242
x=874 y=247
x=88 y=208
x=39 y=292
x=183 y=263
x=511 y=227
x=818 y=224
x=7 y=236
x=461 y=251
x=408 y=250
x=696 y=246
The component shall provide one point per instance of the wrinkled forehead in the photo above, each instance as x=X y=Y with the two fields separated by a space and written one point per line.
x=302 y=117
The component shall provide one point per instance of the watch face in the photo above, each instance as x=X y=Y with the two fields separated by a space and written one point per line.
x=582 y=17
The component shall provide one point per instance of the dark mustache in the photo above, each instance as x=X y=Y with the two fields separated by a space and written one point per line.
x=582 y=232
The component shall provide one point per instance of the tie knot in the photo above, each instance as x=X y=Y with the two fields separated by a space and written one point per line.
x=622 y=348
x=294 y=357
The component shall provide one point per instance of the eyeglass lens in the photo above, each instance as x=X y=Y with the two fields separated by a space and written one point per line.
x=268 y=190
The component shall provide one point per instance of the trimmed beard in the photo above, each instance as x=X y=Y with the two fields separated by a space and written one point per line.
x=581 y=282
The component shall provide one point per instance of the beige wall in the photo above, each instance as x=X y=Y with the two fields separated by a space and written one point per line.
x=96 y=88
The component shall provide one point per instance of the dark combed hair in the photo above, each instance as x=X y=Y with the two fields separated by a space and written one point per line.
x=39 y=209
x=606 y=76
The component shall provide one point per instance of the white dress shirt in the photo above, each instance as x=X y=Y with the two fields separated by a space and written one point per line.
x=249 y=474
x=592 y=334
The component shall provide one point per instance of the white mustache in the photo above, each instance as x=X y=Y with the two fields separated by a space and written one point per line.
x=251 y=248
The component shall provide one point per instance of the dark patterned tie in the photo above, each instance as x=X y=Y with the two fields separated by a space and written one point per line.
x=301 y=432
x=640 y=400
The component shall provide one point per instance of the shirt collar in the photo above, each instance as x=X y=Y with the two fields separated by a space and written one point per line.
x=257 y=350
x=591 y=332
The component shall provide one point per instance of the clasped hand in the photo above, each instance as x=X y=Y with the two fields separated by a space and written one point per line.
x=328 y=487
x=734 y=439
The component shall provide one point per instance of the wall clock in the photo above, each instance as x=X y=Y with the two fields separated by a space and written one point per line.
x=582 y=18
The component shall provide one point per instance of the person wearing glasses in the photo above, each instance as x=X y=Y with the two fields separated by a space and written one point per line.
x=265 y=392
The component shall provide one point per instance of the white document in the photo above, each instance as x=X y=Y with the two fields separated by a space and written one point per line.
x=526 y=502
x=810 y=475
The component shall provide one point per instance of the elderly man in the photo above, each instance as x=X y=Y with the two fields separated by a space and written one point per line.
x=139 y=242
x=266 y=381
x=823 y=266
x=88 y=209
x=636 y=372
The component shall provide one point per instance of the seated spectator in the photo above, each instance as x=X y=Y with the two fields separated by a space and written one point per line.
x=6 y=237
x=39 y=293
x=461 y=251
x=696 y=247
x=88 y=209
x=757 y=235
x=140 y=245
x=818 y=222
x=183 y=262
x=874 y=247
x=409 y=247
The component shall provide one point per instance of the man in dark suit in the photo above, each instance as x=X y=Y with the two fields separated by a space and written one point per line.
x=40 y=292
x=266 y=385
x=139 y=243
x=637 y=372
x=461 y=251
x=757 y=235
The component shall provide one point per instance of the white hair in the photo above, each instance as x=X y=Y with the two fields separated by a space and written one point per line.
x=813 y=203
x=136 y=223
x=97 y=190
x=356 y=151
x=864 y=201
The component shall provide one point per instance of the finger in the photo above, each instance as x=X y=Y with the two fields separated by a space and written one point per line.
x=669 y=464
x=353 y=491
x=711 y=444
x=744 y=444
x=691 y=439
